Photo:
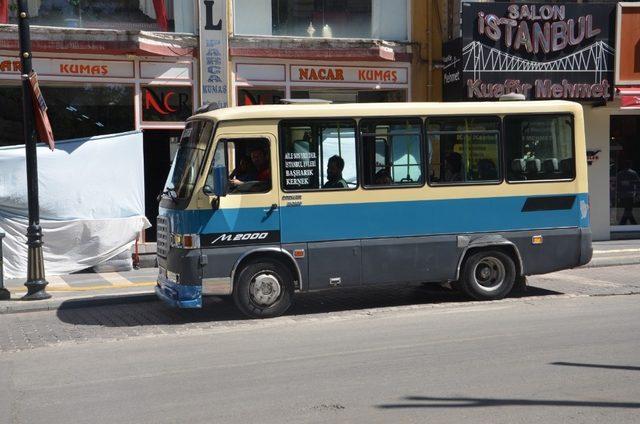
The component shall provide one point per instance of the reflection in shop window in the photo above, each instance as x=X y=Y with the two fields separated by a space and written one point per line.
x=248 y=97
x=377 y=19
x=74 y=111
x=144 y=15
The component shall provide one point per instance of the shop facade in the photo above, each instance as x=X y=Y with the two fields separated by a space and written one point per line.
x=322 y=50
x=95 y=83
x=557 y=51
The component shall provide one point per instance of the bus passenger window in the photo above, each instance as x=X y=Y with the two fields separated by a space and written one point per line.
x=463 y=149
x=320 y=155
x=539 y=147
x=392 y=151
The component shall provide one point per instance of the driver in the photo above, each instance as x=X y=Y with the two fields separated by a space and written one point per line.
x=259 y=166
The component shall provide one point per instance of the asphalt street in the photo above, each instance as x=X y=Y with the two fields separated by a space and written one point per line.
x=567 y=350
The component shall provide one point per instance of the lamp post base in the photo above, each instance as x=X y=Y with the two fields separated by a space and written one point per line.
x=36 y=290
x=4 y=294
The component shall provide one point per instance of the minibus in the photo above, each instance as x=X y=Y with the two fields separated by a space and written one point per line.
x=266 y=201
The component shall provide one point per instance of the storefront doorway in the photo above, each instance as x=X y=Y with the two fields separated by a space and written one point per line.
x=158 y=149
x=624 y=174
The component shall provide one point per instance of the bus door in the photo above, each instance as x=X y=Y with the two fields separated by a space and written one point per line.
x=248 y=217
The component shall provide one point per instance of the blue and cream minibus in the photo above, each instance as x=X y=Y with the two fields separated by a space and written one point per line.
x=266 y=201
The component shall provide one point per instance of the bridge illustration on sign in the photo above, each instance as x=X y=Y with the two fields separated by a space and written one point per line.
x=596 y=58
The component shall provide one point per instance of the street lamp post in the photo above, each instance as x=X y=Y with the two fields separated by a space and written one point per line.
x=36 y=282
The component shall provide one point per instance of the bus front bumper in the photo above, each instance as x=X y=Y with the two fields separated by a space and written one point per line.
x=178 y=295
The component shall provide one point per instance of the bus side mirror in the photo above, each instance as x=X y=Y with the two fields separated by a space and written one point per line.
x=220 y=180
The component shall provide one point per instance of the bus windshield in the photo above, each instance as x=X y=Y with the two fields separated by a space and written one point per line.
x=184 y=170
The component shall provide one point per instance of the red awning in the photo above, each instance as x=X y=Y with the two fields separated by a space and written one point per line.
x=629 y=97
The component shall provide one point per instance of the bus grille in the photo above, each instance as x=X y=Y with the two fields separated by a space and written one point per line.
x=163 y=237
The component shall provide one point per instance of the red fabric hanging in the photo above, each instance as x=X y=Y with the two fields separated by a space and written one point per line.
x=4 y=11
x=161 y=14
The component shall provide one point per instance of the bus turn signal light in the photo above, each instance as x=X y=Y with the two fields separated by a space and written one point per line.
x=536 y=240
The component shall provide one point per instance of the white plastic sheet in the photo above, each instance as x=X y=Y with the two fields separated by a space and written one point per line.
x=91 y=202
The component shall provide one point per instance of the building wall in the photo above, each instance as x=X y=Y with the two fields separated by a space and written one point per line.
x=426 y=37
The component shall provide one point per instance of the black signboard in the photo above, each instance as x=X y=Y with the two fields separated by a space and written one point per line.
x=166 y=103
x=544 y=51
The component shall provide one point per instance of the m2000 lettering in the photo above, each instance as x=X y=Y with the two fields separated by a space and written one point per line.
x=241 y=237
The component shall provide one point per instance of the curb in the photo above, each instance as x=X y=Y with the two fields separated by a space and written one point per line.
x=17 y=306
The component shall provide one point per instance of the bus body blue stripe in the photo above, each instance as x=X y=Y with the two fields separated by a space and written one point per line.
x=385 y=219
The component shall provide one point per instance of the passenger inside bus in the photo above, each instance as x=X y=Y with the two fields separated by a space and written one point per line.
x=382 y=177
x=453 y=167
x=335 y=166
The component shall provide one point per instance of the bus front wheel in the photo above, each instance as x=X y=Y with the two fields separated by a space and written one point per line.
x=488 y=275
x=264 y=289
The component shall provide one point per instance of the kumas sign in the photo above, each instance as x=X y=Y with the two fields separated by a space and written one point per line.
x=559 y=51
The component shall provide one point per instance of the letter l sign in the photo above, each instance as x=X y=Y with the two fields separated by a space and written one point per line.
x=208 y=4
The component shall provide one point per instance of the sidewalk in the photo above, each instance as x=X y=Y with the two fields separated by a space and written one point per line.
x=93 y=289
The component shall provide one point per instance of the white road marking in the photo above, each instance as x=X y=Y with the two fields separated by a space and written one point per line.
x=584 y=280
x=56 y=281
x=616 y=251
x=115 y=279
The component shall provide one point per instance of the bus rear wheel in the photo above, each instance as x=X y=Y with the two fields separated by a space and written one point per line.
x=488 y=275
x=264 y=289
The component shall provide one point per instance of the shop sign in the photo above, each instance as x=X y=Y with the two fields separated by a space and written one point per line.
x=351 y=74
x=213 y=52
x=544 y=51
x=628 y=44
x=73 y=68
x=166 y=103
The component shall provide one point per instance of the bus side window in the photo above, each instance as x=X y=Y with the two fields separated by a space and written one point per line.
x=464 y=149
x=320 y=155
x=248 y=164
x=539 y=147
x=392 y=151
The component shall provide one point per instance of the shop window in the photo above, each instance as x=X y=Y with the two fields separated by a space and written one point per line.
x=351 y=96
x=539 y=147
x=74 y=111
x=463 y=149
x=392 y=152
x=378 y=19
x=166 y=103
x=144 y=15
x=319 y=155
x=250 y=96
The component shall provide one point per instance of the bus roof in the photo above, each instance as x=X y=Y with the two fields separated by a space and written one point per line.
x=387 y=109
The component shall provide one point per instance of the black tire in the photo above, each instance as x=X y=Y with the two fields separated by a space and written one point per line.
x=487 y=275
x=263 y=289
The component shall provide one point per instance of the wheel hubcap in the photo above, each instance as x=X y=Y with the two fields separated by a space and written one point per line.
x=264 y=289
x=489 y=273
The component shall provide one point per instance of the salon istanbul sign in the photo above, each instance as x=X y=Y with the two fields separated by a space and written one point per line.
x=544 y=51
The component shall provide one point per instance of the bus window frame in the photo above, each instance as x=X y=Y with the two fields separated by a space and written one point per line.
x=311 y=121
x=573 y=148
x=233 y=139
x=501 y=150
x=423 y=166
